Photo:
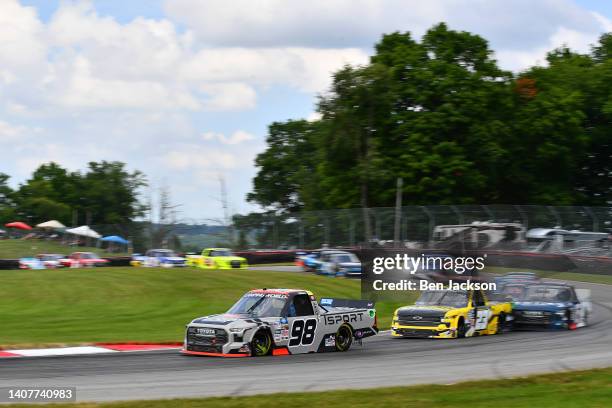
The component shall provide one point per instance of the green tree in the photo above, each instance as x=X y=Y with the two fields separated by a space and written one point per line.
x=105 y=194
x=286 y=167
x=7 y=211
x=443 y=116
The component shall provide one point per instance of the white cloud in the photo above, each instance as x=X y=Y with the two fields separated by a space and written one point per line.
x=9 y=132
x=82 y=60
x=189 y=157
x=237 y=137
x=229 y=96
x=313 y=117
x=518 y=30
x=307 y=69
x=315 y=23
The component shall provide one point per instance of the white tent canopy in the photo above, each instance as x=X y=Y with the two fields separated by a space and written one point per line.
x=84 y=231
x=53 y=224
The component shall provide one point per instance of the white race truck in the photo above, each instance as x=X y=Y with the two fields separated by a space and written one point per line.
x=280 y=322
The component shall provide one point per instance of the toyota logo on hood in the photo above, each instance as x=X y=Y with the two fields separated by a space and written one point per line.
x=417 y=317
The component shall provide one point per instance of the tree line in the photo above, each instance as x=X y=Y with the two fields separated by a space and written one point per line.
x=441 y=114
x=106 y=193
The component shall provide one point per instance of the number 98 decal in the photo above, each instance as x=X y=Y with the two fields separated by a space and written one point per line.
x=302 y=332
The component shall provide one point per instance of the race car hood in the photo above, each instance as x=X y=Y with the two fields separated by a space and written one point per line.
x=229 y=258
x=423 y=310
x=541 y=306
x=172 y=258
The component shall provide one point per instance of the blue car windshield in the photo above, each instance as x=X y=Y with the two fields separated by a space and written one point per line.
x=552 y=294
x=345 y=258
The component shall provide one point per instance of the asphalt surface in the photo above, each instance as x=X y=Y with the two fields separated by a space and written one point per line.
x=381 y=361
x=277 y=268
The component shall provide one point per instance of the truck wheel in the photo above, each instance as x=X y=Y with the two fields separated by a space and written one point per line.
x=344 y=338
x=571 y=324
x=261 y=344
x=501 y=323
x=461 y=328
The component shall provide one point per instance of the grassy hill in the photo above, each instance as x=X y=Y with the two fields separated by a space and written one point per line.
x=18 y=248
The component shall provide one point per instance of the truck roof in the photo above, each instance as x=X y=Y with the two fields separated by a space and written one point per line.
x=279 y=291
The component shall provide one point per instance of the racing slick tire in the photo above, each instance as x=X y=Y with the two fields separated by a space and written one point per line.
x=344 y=338
x=261 y=344
x=461 y=328
x=501 y=323
x=571 y=324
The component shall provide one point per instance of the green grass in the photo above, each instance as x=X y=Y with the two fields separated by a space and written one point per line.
x=592 y=388
x=18 y=248
x=72 y=306
x=574 y=276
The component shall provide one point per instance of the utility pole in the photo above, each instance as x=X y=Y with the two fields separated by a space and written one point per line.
x=226 y=215
x=398 y=212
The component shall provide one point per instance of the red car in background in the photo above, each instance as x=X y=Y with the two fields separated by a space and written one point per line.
x=83 y=259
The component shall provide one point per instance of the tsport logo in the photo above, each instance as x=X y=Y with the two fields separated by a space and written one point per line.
x=343 y=318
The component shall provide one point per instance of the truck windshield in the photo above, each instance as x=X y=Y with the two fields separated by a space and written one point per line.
x=443 y=298
x=345 y=258
x=260 y=305
x=540 y=293
x=221 y=252
x=161 y=254
x=89 y=255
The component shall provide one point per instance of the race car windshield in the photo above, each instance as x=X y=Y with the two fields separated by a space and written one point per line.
x=260 y=305
x=164 y=253
x=515 y=291
x=50 y=257
x=346 y=258
x=547 y=294
x=223 y=252
x=443 y=298
x=89 y=255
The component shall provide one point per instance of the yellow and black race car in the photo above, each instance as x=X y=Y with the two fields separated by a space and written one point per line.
x=448 y=314
x=217 y=258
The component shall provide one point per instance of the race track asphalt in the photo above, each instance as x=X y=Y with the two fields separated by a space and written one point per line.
x=381 y=361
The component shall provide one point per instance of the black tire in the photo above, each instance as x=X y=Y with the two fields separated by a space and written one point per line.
x=461 y=328
x=344 y=338
x=571 y=324
x=261 y=344
x=501 y=323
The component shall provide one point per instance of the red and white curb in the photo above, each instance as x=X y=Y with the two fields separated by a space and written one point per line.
x=83 y=350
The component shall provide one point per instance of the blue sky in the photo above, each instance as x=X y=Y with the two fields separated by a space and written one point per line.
x=183 y=90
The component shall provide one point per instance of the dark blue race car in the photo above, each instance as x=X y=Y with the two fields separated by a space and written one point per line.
x=550 y=306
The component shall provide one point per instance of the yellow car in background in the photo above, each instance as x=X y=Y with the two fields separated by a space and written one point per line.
x=449 y=314
x=217 y=258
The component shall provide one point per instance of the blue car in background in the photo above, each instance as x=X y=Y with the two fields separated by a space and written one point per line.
x=550 y=306
x=516 y=277
x=339 y=263
x=311 y=261
x=31 y=263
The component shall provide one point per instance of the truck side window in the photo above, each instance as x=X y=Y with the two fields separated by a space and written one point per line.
x=302 y=305
x=478 y=299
